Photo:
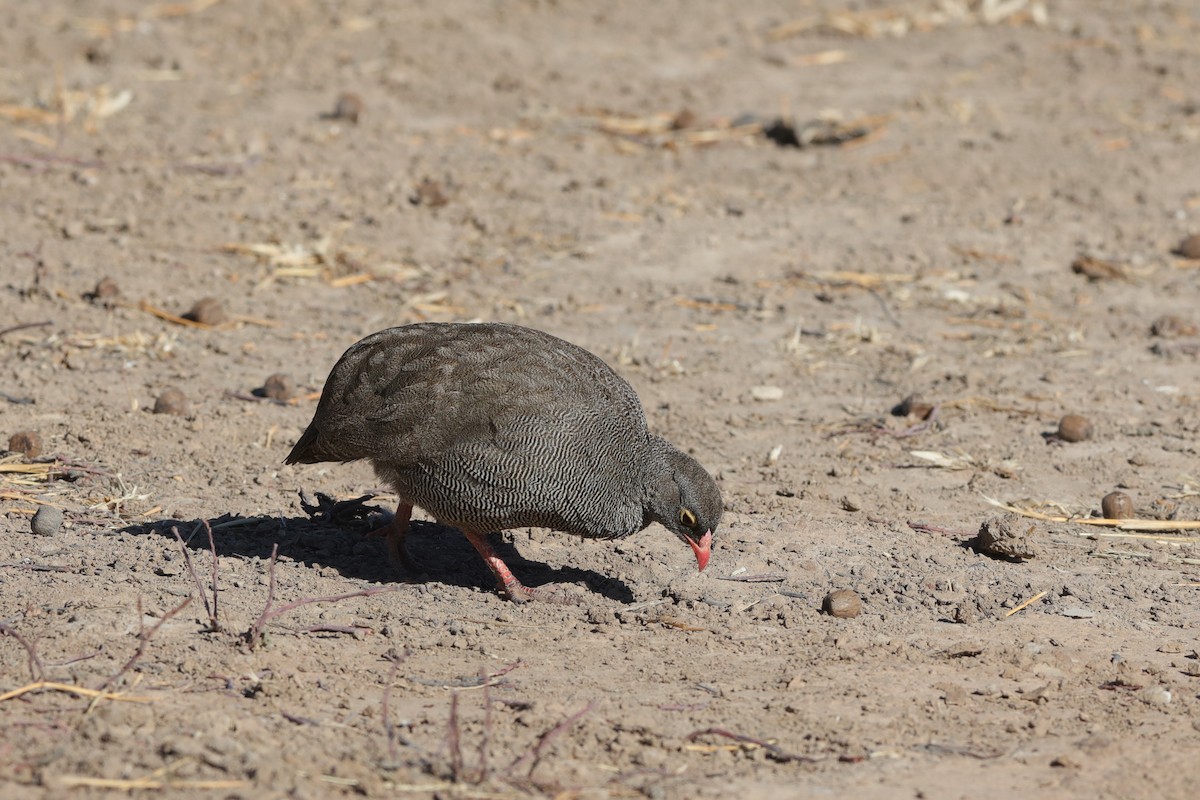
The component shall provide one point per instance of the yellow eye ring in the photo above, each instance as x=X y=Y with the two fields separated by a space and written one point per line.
x=686 y=518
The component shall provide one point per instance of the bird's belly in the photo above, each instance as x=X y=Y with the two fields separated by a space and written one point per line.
x=466 y=499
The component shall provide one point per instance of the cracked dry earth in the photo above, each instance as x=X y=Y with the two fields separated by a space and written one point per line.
x=986 y=205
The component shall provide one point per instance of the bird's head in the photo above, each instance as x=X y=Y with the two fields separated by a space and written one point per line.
x=688 y=503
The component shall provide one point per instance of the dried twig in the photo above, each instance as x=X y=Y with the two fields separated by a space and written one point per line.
x=254 y=635
x=776 y=752
x=23 y=326
x=71 y=689
x=37 y=670
x=533 y=755
x=187 y=559
x=1026 y=604
x=144 y=637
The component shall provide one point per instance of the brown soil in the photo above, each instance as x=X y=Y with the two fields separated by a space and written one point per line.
x=984 y=212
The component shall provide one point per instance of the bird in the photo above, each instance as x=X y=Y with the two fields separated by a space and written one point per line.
x=491 y=426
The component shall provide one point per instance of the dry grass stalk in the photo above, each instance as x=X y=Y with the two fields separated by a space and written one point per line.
x=1026 y=604
x=53 y=686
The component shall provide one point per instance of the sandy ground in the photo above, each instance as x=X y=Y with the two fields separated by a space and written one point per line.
x=984 y=211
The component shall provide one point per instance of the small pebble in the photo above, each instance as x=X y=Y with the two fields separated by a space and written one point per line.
x=1156 y=695
x=1190 y=247
x=349 y=107
x=172 y=401
x=105 y=293
x=842 y=603
x=430 y=194
x=766 y=394
x=1074 y=428
x=28 y=443
x=46 y=521
x=207 y=311
x=1116 y=505
x=279 y=387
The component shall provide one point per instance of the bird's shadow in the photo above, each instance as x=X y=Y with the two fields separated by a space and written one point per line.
x=343 y=544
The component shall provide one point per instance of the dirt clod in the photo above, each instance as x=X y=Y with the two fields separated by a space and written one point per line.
x=207 y=311
x=172 y=401
x=1074 y=428
x=349 y=107
x=1172 y=326
x=1190 y=247
x=842 y=603
x=1116 y=505
x=46 y=521
x=279 y=387
x=105 y=293
x=28 y=443
x=1006 y=536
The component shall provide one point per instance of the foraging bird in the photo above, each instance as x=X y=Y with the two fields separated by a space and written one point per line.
x=491 y=426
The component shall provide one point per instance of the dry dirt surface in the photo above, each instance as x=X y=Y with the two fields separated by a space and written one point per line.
x=778 y=220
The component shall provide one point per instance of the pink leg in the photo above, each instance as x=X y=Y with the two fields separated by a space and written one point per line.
x=395 y=531
x=508 y=584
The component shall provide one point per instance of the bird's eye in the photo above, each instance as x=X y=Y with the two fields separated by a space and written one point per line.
x=686 y=518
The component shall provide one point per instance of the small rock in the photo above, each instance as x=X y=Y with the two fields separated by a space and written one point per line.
x=28 y=443
x=842 y=603
x=46 y=521
x=430 y=194
x=849 y=503
x=72 y=230
x=172 y=401
x=207 y=311
x=685 y=118
x=1074 y=428
x=1156 y=695
x=1172 y=326
x=766 y=394
x=105 y=293
x=349 y=107
x=279 y=387
x=1116 y=505
x=1006 y=536
x=1077 y=612
x=1190 y=247
x=913 y=406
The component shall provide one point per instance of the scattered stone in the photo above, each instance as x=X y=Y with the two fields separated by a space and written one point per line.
x=1067 y=761
x=28 y=443
x=46 y=521
x=913 y=406
x=279 y=387
x=1074 y=428
x=207 y=311
x=105 y=293
x=1077 y=612
x=429 y=193
x=172 y=401
x=766 y=394
x=1097 y=269
x=1006 y=536
x=842 y=603
x=1156 y=695
x=1116 y=505
x=686 y=118
x=349 y=107
x=1171 y=326
x=1190 y=247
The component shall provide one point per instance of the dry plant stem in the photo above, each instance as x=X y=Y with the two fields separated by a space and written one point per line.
x=389 y=729
x=212 y=548
x=777 y=752
x=69 y=689
x=187 y=559
x=254 y=635
x=533 y=755
x=144 y=637
x=23 y=326
x=453 y=742
x=36 y=669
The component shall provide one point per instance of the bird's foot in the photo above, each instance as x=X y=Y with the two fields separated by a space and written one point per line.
x=520 y=593
x=396 y=532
